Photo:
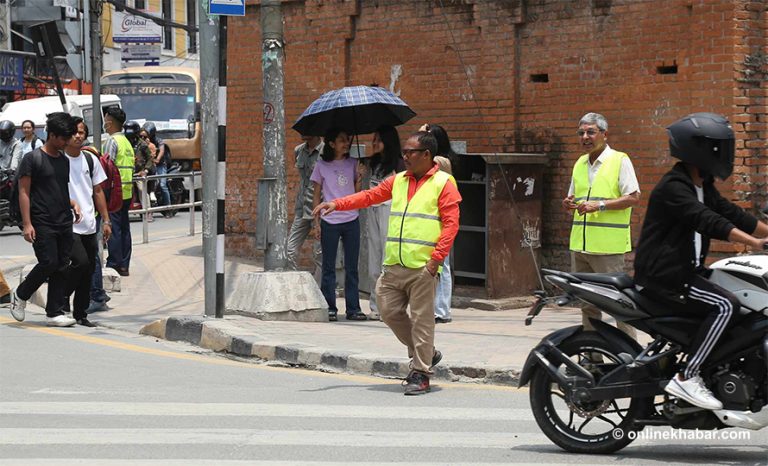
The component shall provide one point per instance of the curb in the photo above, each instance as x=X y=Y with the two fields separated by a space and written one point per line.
x=223 y=336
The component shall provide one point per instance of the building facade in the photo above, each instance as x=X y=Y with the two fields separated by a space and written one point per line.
x=515 y=76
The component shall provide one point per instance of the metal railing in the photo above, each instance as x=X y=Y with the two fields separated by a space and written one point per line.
x=145 y=211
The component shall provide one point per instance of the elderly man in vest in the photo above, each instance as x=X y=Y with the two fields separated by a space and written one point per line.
x=603 y=190
x=423 y=223
x=119 y=149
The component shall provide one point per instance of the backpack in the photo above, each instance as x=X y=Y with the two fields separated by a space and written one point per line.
x=113 y=185
x=14 y=209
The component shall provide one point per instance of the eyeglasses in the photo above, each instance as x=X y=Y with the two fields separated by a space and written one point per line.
x=589 y=132
x=144 y=137
x=409 y=152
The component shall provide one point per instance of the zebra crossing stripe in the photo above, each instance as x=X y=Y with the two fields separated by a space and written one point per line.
x=95 y=408
x=260 y=437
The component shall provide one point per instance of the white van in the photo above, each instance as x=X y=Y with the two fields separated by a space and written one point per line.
x=38 y=109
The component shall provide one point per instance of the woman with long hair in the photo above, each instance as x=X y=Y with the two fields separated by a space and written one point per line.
x=386 y=160
x=444 y=158
x=335 y=176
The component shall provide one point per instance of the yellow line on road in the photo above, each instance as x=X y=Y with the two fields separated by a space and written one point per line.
x=223 y=361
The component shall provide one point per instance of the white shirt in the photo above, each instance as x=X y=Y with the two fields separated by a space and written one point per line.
x=81 y=183
x=697 y=236
x=627 y=178
x=26 y=146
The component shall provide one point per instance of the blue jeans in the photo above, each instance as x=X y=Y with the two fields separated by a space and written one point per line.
x=119 y=243
x=444 y=291
x=349 y=233
x=162 y=170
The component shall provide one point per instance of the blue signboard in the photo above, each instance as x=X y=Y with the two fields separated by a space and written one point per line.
x=227 y=7
x=11 y=72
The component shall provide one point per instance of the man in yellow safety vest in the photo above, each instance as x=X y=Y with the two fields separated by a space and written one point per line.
x=117 y=148
x=423 y=223
x=603 y=190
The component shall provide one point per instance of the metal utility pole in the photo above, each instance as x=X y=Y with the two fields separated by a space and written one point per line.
x=276 y=224
x=95 y=9
x=209 y=80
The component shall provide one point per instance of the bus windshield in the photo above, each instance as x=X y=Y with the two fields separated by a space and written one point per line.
x=169 y=106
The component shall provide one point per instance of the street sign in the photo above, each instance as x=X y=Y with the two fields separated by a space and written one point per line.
x=227 y=7
x=140 y=52
x=11 y=72
x=129 y=28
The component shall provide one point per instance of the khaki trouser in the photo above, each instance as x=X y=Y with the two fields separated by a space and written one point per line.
x=4 y=288
x=398 y=287
x=599 y=263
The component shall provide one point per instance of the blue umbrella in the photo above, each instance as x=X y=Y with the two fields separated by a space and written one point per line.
x=356 y=110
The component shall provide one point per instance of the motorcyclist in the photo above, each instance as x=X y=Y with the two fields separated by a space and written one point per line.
x=10 y=147
x=162 y=158
x=685 y=211
x=143 y=162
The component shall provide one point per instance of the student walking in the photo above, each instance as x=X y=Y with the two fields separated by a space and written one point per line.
x=85 y=176
x=47 y=217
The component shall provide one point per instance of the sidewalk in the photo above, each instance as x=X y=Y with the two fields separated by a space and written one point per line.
x=164 y=296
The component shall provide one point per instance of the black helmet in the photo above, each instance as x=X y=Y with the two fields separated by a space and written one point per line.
x=131 y=129
x=705 y=140
x=151 y=130
x=7 y=130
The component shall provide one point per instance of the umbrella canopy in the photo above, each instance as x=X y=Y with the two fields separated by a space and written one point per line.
x=356 y=110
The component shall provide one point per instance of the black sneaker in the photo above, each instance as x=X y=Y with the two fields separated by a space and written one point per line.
x=436 y=358
x=86 y=323
x=332 y=317
x=5 y=299
x=416 y=383
x=443 y=320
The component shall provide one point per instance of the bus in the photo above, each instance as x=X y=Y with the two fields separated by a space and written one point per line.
x=167 y=96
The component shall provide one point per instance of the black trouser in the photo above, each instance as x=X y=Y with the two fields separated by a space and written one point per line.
x=718 y=304
x=84 y=251
x=53 y=246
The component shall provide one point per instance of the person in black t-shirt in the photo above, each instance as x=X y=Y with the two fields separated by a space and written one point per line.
x=47 y=217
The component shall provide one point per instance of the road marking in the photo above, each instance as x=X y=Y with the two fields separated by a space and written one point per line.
x=95 y=408
x=257 y=437
x=195 y=462
x=68 y=333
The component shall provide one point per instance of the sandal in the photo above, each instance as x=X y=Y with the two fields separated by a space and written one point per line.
x=357 y=316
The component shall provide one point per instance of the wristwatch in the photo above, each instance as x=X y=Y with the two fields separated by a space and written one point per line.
x=602 y=206
x=106 y=223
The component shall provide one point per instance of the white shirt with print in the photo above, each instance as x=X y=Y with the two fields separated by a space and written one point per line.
x=81 y=183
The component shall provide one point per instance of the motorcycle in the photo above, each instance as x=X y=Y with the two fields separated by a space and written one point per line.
x=593 y=391
x=6 y=183
x=175 y=189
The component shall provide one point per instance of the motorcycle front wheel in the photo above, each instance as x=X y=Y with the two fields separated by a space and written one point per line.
x=595 y=427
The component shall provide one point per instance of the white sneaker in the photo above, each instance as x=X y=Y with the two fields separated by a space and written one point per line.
x=60 y=321
x=17 y=307
x=694 y=392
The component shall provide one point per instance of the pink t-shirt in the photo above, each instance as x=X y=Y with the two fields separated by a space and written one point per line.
x=337 y=179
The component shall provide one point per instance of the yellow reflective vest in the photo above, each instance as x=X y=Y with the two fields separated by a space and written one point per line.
x=414 y=226
x=604 y=232
x=124 y=161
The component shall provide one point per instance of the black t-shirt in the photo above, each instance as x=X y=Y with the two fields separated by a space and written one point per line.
x=49 y=194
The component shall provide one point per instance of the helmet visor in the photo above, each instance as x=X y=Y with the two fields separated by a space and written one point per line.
x=722 y=157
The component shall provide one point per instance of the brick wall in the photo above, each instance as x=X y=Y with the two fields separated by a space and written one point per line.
x=515 y=76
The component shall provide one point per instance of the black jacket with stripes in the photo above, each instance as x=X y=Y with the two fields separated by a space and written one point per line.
x=665 y=260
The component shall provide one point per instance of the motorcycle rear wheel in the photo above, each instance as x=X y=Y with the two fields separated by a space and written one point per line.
x=596 y=427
